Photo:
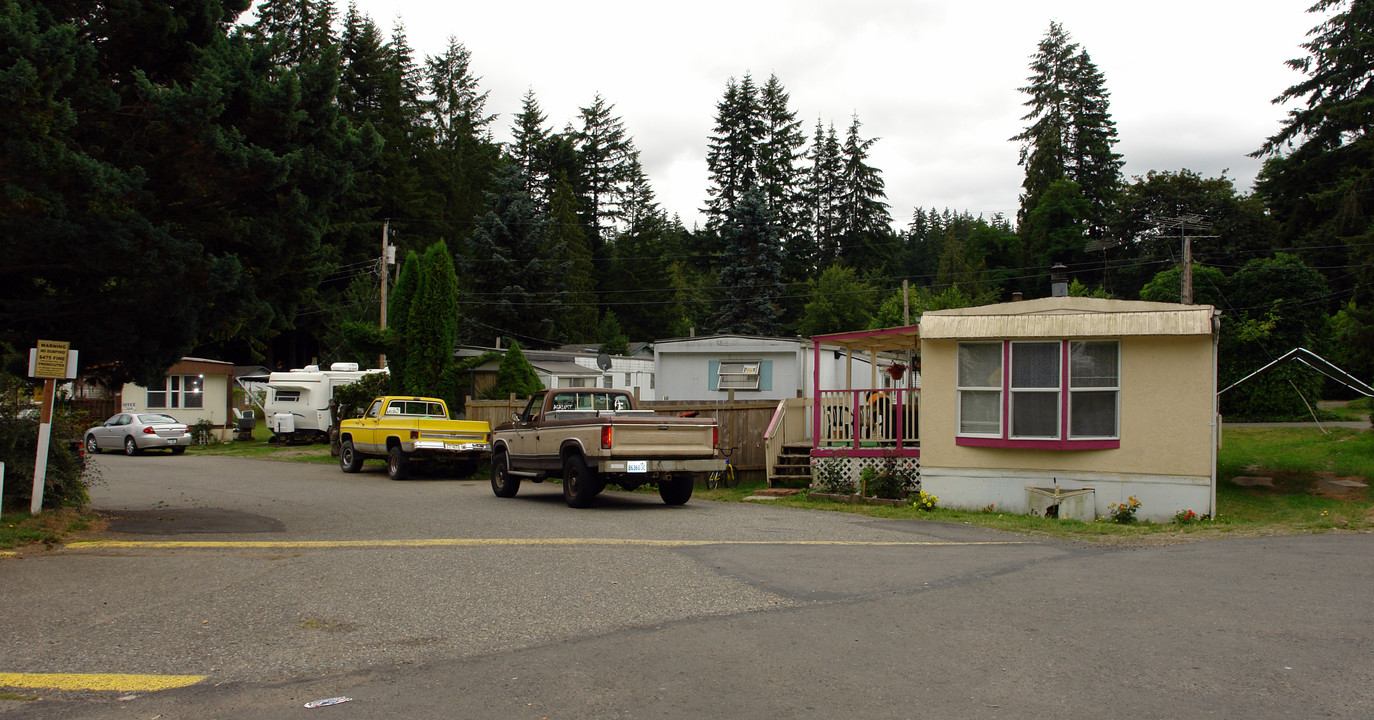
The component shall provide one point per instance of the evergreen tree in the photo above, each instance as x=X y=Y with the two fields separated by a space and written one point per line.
x=1071 y=134
x=518 y=267
x=823 y=191
x=779 y=153
x=605 y=151
x=579 y=311
x=862 y=217
x=398 y=314
x=1319 y=178
x=732 y=156
x=528 y=140
x=613 y=340
x=516 y=376
x=752 y=276
x=432 y=326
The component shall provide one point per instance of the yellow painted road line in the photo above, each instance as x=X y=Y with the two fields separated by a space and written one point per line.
x=97 y=681
x=507 y=542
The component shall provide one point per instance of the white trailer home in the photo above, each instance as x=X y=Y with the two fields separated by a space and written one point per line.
x=296 y=402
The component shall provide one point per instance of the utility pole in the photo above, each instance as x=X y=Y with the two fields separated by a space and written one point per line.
x=1185 y=223
x=387 y=254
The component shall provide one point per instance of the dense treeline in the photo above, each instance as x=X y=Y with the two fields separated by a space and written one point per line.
x=183 y=178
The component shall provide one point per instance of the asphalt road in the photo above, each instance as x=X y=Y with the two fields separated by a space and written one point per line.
x=432 y=598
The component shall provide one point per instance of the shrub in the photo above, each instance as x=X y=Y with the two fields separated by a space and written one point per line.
x=888 y=480
x=1186 y=517
x=830 y=477
x=1124 y=513
x=925 y=501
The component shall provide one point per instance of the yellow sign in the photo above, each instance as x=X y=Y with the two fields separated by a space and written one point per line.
x=52 y=359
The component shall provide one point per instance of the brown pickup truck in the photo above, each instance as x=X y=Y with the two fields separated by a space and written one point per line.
x=591 y=437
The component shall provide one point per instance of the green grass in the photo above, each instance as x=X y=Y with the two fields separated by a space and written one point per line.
x=260 y=448
x=1354 y=411
x=1295 y=458
x=49 y=527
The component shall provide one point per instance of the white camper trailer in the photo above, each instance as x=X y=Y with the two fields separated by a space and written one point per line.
x=296 y=402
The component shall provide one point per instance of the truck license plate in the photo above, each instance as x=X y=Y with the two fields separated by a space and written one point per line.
x=637 y=466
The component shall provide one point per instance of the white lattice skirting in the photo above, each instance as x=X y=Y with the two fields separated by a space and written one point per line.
x=853 y=467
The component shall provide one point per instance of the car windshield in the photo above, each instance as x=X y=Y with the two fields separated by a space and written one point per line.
x=156 y=419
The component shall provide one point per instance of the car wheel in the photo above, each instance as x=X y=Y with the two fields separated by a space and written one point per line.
x=130 y=447
x=580 y=483
x=178 y=450
x=398 y=464
x=677 y=489
x=503 y=483
x=92 y=447
x=349 y=459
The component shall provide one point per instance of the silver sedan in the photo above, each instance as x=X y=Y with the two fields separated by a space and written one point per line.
x=136 y=432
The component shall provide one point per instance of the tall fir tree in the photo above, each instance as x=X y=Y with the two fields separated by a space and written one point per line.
x=578 y=281
x=604 y=150
x=864 y=222
x=751 y=278
x=517 y=268
x=732 y=156
x=1071 y=135
x=526 y=149
x=823 y=189
x=1318 y=180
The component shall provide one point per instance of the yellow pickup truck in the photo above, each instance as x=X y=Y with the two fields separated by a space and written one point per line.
x=406 y=429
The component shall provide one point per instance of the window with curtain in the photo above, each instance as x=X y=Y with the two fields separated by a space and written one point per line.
x=1035 y=387
x=1063 y=392
x=980 y=389
x=1094 y=389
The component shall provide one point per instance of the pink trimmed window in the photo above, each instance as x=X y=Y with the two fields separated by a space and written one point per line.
x=1048 y=394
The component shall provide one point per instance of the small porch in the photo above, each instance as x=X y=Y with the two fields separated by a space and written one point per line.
x=879 y=419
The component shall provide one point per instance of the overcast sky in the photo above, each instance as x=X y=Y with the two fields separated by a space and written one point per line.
x=1191 y=81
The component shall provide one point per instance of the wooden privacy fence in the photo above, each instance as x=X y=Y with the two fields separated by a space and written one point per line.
x=742 y=425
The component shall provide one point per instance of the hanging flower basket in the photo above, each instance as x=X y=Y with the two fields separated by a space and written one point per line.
x=896 y=370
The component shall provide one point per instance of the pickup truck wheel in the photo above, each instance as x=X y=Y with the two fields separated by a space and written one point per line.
x=503 y=483
x=580 y=484
x=398 y=464
x=677 y=489
x=349 y=459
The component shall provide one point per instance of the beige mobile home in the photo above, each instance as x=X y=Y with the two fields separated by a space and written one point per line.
x=1071 y=393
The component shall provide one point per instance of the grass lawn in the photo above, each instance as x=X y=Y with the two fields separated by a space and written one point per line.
x=1300 y=497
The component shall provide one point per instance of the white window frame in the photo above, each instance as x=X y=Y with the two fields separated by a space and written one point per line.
x=1057 y=390
x=738 y=374
x=175 y=395
x=961 y=388
x=1115 y=389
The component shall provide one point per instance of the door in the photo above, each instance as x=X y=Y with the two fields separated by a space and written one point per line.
x=365 y=434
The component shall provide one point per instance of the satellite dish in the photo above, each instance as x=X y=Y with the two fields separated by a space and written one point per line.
x=603 y=361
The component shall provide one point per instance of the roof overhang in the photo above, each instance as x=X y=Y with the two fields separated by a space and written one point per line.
x=1065 y=317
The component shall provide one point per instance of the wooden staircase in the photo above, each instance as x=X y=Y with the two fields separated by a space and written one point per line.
x=793 y=467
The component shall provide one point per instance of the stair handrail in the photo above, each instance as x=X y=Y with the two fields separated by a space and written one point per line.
x=770 y=448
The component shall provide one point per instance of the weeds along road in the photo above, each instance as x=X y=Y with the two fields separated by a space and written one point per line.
x=276 y=583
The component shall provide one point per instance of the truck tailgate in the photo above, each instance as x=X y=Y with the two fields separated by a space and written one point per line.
x=661 y=440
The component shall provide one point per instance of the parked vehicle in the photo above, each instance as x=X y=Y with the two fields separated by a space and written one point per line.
x=136 y=432
x=590 y=437
x=296 y=402
x=412 y=429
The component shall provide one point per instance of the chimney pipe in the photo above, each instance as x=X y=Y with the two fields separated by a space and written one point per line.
x=1016 y=296
x=1059 y=280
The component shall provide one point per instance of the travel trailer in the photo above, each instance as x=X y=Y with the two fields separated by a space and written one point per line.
x=296 y=402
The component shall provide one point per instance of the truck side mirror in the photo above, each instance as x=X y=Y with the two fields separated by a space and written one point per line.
x=517 y=417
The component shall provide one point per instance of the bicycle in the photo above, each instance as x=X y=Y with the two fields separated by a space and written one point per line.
x=726 y=477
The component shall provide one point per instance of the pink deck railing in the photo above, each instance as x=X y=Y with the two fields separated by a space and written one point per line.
x=862 y=423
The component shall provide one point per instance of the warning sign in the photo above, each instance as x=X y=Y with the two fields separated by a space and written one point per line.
x=51 y=360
